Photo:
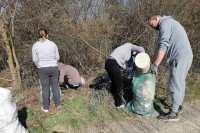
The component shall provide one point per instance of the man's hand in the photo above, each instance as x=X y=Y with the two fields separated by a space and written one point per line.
x=154 y=69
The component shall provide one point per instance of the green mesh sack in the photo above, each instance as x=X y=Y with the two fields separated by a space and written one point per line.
x=143 y=87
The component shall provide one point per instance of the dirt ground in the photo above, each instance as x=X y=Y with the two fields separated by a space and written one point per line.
x=189 y=123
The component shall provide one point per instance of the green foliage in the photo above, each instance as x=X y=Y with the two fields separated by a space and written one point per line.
x=192 y=91
x=71 y=114
x=81 y=111
x=92 y=109
x=193 y=87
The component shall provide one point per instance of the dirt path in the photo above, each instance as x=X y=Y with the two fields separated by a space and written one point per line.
x=189 y=123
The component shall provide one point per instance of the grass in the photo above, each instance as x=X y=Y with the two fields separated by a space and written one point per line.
x=193 y=88
x=192 y=91
x=82 y=109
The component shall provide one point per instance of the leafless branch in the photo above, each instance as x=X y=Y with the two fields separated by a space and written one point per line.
x=92 y=46
x=140 y=35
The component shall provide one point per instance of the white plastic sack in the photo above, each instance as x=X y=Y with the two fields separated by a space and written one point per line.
x=9 y=122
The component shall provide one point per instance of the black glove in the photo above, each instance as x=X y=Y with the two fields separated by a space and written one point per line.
x=154 y=69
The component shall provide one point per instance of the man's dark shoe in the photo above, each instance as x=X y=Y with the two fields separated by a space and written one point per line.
x=180 y=109
x=170 y=116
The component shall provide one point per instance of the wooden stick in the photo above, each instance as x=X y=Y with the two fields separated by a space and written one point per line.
x=92 y=46
x=140 y=35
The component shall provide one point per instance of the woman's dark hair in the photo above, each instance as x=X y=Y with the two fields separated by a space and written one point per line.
x=42 y=33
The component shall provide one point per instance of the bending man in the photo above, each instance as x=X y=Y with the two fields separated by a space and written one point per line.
x=118 y=59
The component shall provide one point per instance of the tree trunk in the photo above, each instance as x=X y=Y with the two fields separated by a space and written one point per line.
x=16 y=84
x=13 y=51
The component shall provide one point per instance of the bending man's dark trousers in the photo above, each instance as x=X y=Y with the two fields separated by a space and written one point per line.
x=114 y=72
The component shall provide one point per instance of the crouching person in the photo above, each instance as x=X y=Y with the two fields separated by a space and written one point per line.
x=69 y=76
x=143 y=87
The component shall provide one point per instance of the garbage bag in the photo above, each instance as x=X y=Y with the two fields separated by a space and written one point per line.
x=9 y=122
x=143 y=87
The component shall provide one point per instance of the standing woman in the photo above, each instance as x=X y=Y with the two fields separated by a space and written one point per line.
x=45 y=56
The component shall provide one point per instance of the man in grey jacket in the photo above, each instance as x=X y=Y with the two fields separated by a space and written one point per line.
x=175 y=46
x=118 y=59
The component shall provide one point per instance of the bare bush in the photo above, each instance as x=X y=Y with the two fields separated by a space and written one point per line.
x=103 y=24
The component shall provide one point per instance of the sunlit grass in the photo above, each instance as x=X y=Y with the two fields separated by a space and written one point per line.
x=81 y=111
x=93 y=109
